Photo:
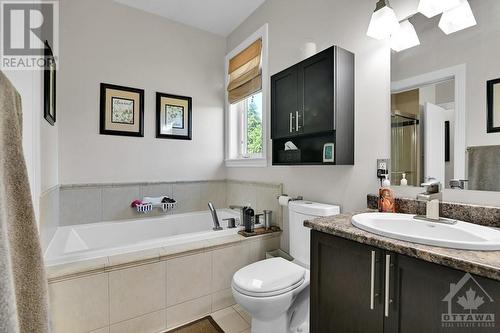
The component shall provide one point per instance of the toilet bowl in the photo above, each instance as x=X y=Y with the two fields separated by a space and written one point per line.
x=276 y=294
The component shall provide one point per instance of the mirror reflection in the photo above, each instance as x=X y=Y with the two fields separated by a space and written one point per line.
x=444 y=101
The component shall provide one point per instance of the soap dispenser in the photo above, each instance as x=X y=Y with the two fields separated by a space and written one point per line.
x=387 y=200
x=404 y=181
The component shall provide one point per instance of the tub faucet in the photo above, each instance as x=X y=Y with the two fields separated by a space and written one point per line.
x=214 y=217
x=241 y=209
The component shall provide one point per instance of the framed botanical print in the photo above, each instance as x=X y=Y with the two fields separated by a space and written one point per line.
x=493 y=94
x=122 y=110
x=173 y=116
x=49 y=86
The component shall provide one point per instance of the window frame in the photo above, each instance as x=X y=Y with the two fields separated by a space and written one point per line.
x=261 y=33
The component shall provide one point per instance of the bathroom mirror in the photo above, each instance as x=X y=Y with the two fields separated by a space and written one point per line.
x=439 y=109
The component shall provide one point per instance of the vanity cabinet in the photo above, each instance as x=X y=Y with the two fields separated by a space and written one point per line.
x=315 y=99
x=360 y=288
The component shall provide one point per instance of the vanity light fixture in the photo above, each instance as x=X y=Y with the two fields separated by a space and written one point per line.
x=431 y=8
x=457 y=19
x=383 y=22
x=405 y=37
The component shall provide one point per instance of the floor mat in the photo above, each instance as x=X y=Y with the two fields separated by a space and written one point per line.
x=203 y=325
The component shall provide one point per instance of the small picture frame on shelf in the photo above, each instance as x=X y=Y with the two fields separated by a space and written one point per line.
x=329 y=153
x=173 y=116
x=121 y=110
x=49 y=85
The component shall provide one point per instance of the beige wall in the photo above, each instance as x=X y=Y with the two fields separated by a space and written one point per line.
x=292 y=23
x=103 y=41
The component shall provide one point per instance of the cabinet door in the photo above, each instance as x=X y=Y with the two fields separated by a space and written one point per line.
x=346 y=286
x=420 y=292
x=284 y=103
x=316 y=91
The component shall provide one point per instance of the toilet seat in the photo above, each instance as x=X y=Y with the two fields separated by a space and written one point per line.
x=269 y=277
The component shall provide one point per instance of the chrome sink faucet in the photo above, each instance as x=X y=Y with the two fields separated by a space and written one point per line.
x=432 y=196
x=215 y=218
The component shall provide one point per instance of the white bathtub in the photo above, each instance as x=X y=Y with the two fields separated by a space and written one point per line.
x=94 y=240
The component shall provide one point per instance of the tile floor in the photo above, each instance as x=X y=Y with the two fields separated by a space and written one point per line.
x=233 y=319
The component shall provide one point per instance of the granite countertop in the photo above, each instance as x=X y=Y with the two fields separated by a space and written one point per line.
x=482 y=263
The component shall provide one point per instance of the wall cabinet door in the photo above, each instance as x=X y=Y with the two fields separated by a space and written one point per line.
x=316 y=91
x=345 y=286
x=284 y=103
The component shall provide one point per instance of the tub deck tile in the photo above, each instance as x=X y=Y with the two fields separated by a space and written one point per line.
x=140 y=257
x=76 y=268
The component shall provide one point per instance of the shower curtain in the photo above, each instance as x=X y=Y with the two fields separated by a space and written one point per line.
x=23 y=287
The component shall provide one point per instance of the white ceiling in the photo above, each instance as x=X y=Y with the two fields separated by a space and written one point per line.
x=220 y=17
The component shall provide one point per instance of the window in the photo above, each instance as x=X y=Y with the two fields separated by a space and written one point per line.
x=245 y=124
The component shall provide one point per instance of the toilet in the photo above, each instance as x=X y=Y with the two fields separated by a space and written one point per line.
x=275 y=292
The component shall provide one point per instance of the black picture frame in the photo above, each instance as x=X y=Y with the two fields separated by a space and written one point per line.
x=490 y=101
x=49 y=86
x=159 y=110
x=102 y=117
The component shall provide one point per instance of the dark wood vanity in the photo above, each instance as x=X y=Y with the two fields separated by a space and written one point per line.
x=312 y=103
x=361 y=288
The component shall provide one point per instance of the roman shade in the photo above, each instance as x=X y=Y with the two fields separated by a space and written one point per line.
x=245 y=72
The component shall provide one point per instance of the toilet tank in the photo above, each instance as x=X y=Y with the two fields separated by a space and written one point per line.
x=300 y=236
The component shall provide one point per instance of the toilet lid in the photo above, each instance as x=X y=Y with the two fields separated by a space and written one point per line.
x=268 y=277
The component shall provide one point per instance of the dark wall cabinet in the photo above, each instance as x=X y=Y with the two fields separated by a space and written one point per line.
x=315 y=99
x=359 y=288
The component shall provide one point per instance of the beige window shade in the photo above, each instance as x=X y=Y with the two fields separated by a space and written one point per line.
x=245 y=72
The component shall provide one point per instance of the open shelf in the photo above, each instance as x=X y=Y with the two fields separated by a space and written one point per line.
x=311 y=149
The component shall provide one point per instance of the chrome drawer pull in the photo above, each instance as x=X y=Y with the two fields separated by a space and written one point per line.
x=387 y=283
x=372 y=282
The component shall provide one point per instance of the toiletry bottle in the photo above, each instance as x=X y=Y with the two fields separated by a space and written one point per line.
x=404 y=181
x=249 y=219
x=387 y=201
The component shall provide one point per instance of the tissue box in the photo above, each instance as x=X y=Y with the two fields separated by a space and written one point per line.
x=289 y=156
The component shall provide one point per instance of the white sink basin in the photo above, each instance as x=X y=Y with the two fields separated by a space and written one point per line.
x=461 y=235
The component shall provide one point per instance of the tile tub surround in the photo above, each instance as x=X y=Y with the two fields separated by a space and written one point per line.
x=482 y=263
x=153 y=293
x=487 y=216
x=89 y=203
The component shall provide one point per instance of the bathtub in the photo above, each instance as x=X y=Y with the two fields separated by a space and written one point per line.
x=95 y=240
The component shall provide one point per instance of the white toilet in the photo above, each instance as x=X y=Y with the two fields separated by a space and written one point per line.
x=275 y=291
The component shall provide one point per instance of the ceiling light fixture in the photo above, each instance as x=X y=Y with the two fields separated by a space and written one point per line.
x=405 y=37
x=457 y=19
x=431 y=8
x=384 y=21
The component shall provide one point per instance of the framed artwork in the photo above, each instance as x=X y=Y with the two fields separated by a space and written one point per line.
x=493 y=96
x=173 y=116
x=49 y=86
x=121 y=110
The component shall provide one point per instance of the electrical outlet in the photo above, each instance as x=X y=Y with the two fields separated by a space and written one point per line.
x=383 y=164
x=382 y=168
